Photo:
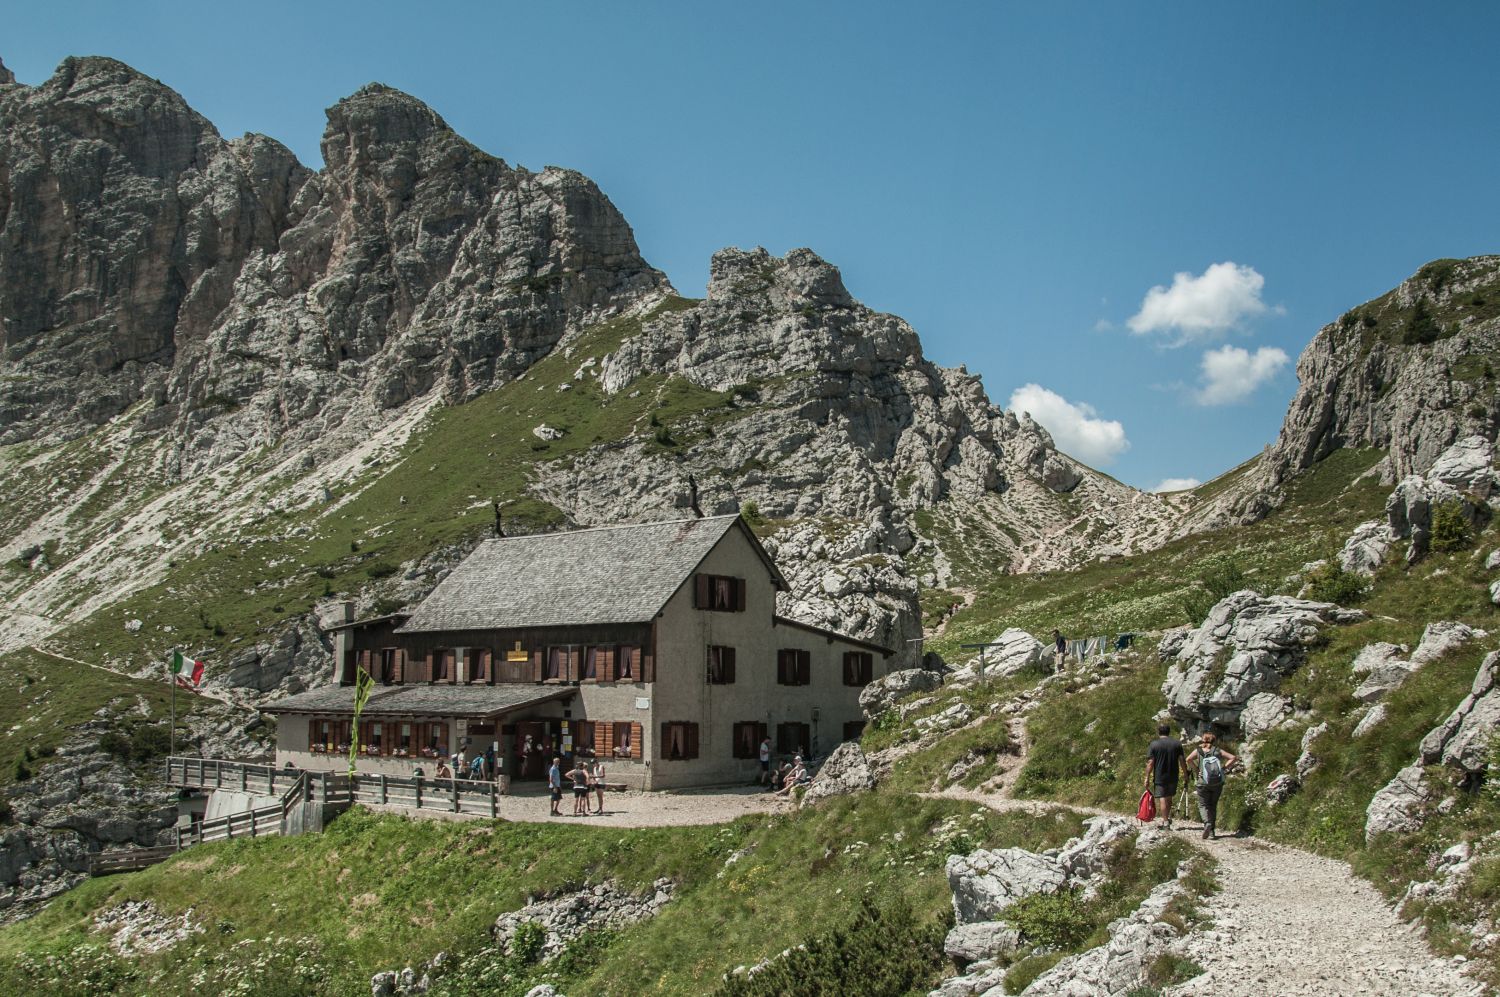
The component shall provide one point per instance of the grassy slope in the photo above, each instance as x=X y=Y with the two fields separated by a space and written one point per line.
x=378 y=892
x=42 y=699
x=1145 y=591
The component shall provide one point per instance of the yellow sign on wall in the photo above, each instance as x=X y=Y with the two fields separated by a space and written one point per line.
x=517 y=654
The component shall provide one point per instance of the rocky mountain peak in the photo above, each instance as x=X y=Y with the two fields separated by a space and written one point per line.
x=378 y=123
x=6 y=76
x=800 y=280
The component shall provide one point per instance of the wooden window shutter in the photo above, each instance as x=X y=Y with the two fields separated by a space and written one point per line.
x=635 y=741
x=604 y=739
x=804 y=667
x=781 y=667
x=739 y=595
x=364 y=663
x=728 y=663
x=400 y=670
x=427 y=669
x=452 y=666
x=664 y=746
x=691 y=750
x=648 y=668
x=702 y=591
x=536 y=665
x=312 y=733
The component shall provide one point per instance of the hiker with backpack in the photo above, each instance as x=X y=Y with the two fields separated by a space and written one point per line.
x=1210 y=762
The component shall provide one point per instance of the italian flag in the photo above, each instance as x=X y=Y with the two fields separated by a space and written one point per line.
x=181 y=663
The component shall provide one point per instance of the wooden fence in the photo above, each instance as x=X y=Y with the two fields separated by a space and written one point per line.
x=459 y=796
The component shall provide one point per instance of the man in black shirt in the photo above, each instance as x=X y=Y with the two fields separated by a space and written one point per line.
x=1164 y=760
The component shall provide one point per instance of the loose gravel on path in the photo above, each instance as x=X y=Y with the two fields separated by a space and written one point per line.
x=1292 y=923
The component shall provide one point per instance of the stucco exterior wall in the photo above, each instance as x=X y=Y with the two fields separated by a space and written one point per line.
x=682 y=692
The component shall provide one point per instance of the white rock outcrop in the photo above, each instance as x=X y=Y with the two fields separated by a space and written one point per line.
x=1247 y=645
x=1398 y=805
x=1366 y=549
x=845 y=772
x=985 y=882
x=882 y=694
x=1462 y=475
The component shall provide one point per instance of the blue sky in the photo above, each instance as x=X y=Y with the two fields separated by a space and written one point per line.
x=1012 y=179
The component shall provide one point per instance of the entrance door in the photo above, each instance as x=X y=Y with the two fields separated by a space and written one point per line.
x=533 y=763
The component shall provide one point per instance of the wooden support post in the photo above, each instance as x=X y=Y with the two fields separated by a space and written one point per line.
x=419 y=792
x=384 y=798
x=455 y=794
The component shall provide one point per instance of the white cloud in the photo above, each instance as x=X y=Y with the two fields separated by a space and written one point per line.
x=1231 y=374
x=1075 y=427
x=1176 y=484
x=1201 y=307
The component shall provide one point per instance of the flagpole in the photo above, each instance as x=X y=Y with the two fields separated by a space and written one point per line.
x=172 y=731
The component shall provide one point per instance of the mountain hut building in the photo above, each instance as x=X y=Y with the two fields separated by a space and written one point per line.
x=655 y=647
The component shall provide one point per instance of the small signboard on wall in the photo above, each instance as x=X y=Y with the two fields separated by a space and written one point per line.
x=642 y=703
x=517 y=653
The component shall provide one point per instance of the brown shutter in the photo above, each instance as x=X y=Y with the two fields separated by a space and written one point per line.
x=312 y=733
x=702 y=596
x=635 y=741
x=400 y=675
x=648 y=668
x=691 y=749
x=664 y=746
x=452 y=666
x=727 y=657
x=364 y=663
x=739 y=595
x=536 y=665
x=604 y=739
x=781 y=667
x=804 y=667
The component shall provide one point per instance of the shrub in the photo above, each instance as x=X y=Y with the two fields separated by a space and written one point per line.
x=1450 y=529
x=1023 y=973
x=381 y=569
x=22 y=773
x=663 y=436
x=1420 y=326
x=528 y=941
x=751 y=512
x=882 y=950
x=1050 y=920
x=1331 y=583
x=1218 y=578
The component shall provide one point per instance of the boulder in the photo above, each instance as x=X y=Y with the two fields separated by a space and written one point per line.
x=1172 y=642
x=1495 y=592
x=1263 y=712
x=981 y=940
x=1398 y=805
x=1086 y=857
x=985 y=882
x=1462 y=741
x=880 y=695
x=846 y=771
x=1441 y=638
x=1493 y=560
x=1015 y=650
x=1383 y=679
x=546 y=432
x=1379 y=653
x=1370 y=720
x=953 y=717
x=1308 y=762
x=1366 y=549
x=1281 y=789
x=1461 y=475
x=1247 y=644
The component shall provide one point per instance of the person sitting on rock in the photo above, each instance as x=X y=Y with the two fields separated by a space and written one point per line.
x=1210 y=762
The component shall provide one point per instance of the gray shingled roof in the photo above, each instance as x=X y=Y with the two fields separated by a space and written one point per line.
x=421 y=700
x=613 y=574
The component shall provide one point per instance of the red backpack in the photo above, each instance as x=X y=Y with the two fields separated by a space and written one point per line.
x=1147 y=810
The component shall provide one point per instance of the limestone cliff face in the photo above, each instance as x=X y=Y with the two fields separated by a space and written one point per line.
x=1409 y=372
x=250 y=300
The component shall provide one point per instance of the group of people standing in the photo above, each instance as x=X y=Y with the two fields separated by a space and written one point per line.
x=482 y=766
x=1205 y=766
x=588 y=780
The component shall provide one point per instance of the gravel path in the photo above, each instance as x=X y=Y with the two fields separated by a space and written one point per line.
x=1293 y=923
x=658 y=809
